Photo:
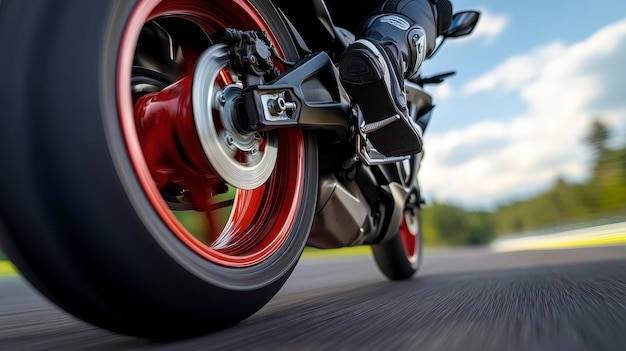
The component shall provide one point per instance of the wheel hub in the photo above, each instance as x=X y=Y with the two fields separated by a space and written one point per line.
x=244 y=160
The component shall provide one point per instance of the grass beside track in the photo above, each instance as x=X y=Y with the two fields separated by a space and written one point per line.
x=6 y=268
x=602 y=235
x=310 y=252
x=540 y=243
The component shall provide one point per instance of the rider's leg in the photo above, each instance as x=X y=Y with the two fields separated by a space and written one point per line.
x=392 y=44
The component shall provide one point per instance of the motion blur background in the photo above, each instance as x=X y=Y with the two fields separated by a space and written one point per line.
x=530 y=135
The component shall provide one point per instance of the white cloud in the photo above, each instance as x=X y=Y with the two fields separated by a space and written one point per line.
x=490 y=26
x=495 y=161
x=516 y=71
x=442 y=91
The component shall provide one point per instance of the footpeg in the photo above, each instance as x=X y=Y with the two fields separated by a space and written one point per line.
x=372 y=127
x=370 y=156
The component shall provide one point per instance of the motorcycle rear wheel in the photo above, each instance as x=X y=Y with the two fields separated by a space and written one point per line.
x=86 y=206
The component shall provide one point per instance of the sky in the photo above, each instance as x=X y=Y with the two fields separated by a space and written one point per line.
x=530 y=81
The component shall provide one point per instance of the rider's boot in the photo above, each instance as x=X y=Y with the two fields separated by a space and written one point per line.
x=391 y=46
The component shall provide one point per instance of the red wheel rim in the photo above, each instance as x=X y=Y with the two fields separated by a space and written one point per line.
x=409 y=234
x=261 y=219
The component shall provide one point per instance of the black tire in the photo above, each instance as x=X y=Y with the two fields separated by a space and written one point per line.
x=75 y=219
x=392 y=257
x=400 y=256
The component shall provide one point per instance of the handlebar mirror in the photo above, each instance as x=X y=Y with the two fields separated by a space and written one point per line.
x=463 y=23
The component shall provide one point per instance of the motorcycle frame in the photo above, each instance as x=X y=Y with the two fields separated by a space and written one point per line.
x=361 y=194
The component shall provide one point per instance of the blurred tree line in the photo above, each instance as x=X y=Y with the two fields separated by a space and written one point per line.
x=602 y=195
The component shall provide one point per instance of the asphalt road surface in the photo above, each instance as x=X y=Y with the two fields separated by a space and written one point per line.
x=460 y=300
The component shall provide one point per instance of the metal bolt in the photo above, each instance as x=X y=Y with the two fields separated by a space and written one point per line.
x=276 y=106
x=221 y=98
x=290 y=106
x=229 y=140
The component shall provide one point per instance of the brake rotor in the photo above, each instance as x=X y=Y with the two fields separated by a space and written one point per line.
x=244 y=160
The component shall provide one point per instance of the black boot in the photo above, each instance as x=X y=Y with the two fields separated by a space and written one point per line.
x=391 y=46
